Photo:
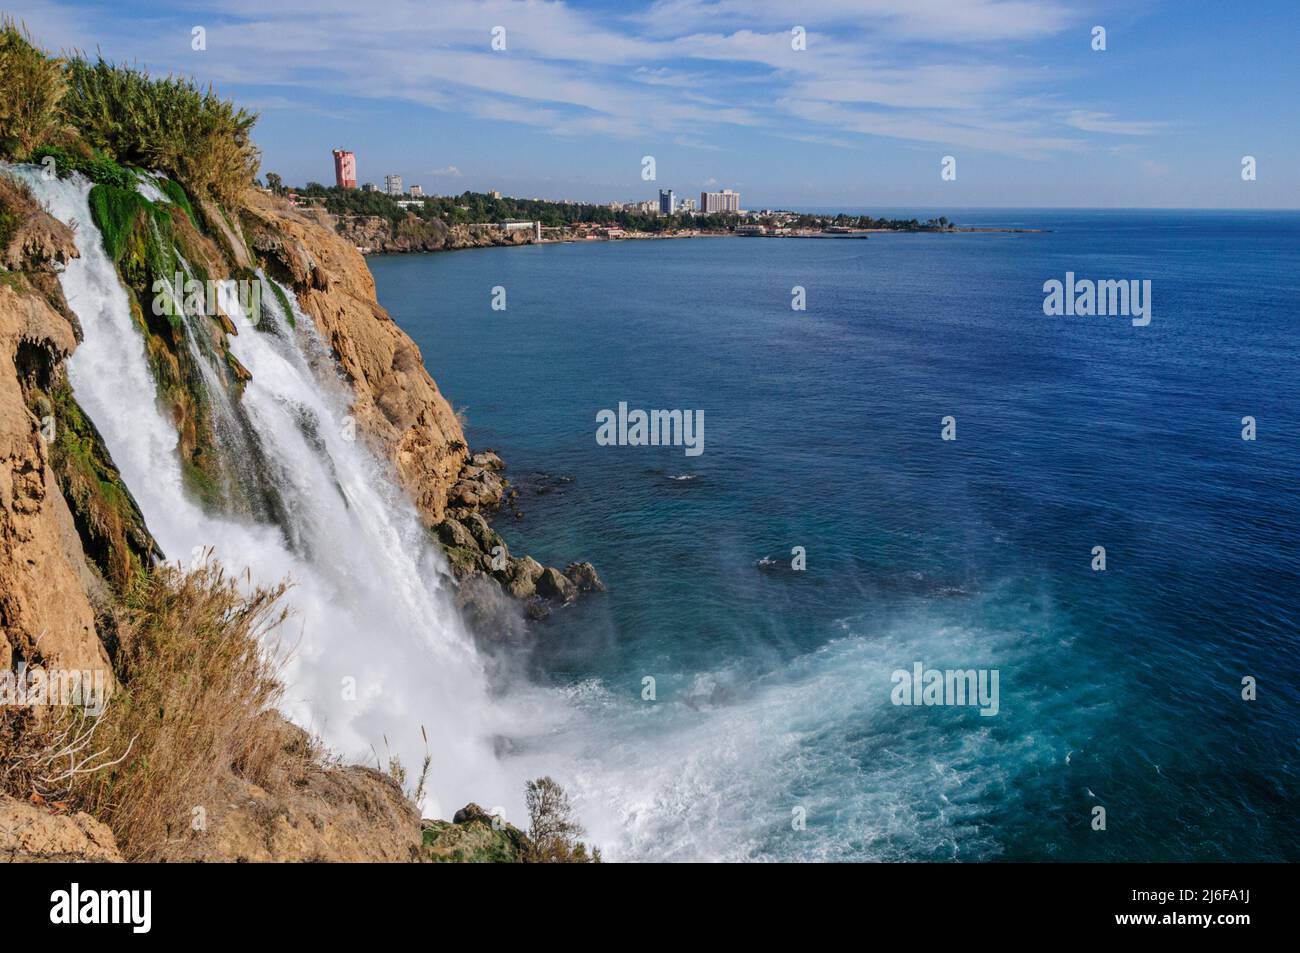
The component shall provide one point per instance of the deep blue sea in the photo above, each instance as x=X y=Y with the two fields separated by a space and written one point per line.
x=1119 y=689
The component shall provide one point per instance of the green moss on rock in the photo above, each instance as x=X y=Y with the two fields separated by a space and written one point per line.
x=285 y=308
x=473 y=838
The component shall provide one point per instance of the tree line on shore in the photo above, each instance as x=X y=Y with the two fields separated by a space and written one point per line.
x=473 y=208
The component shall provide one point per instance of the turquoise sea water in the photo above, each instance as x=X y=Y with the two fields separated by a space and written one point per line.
x=1119 y=689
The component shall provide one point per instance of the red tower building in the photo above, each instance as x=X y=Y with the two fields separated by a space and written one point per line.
x=345 y=169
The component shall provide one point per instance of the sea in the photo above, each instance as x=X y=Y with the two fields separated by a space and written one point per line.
x=919 y=470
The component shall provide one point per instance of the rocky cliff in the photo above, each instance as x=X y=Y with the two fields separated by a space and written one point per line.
x=370 y=233
x=46 y=584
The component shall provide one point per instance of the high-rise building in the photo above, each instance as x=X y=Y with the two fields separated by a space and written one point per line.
x=667 y=202
x=724 y=201
x=417 y=192
x=393 y=184
x=345 y=169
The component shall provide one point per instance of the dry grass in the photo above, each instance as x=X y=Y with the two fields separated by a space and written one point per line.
x=93 y=115
x=31 y=90
x=198 y=688
x=46 y=754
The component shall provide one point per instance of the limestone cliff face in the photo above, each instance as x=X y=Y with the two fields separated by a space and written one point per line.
x=46 y=615
x=31 y=834
x=413 y=234
x=397 y=406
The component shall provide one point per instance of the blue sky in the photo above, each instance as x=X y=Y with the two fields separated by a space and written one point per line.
x=715 y=92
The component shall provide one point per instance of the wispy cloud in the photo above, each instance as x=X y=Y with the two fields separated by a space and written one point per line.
x=684 y=70
x=1106 y=123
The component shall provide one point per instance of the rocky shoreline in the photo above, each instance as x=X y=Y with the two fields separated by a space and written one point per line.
x=483 y=566
x=371 y=234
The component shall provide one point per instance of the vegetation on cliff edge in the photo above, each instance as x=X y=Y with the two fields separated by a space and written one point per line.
x=85 y=112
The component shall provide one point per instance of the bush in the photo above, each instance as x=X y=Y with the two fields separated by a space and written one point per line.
x=46 y=753
x=95 y=117
x=551 y=827
x=198 y=689
x=170 y=125
x=31 y=87
x=95 y=166
x=8 y=224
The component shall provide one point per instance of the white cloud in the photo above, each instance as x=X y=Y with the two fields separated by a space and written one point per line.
x=927 y=71
x=1108 y=124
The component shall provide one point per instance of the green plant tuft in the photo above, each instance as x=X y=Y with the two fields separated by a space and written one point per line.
x=283 y=301
x=95 y=166
x=171 y=125
x=8 y=224
x=32 y=86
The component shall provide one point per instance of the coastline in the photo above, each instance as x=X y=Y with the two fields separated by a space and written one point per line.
x=858 y=234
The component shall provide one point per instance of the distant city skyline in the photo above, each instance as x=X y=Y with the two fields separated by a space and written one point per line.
x=810 y=105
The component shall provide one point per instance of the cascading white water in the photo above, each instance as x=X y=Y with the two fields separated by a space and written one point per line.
x=377 y=649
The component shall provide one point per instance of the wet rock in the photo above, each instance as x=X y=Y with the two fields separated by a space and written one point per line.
x=454 y=533
x=584 y=578
x=554 y=585
x=521 y=579
x=486 y=537
x=493 y=583
x=492 y=614
x=35 y=240
x=479 y=484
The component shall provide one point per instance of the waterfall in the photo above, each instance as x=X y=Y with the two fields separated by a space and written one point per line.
x=376 y=648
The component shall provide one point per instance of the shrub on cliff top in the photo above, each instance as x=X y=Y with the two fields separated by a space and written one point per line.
x=172 y=125
x=86 y=113
x=31 y=87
